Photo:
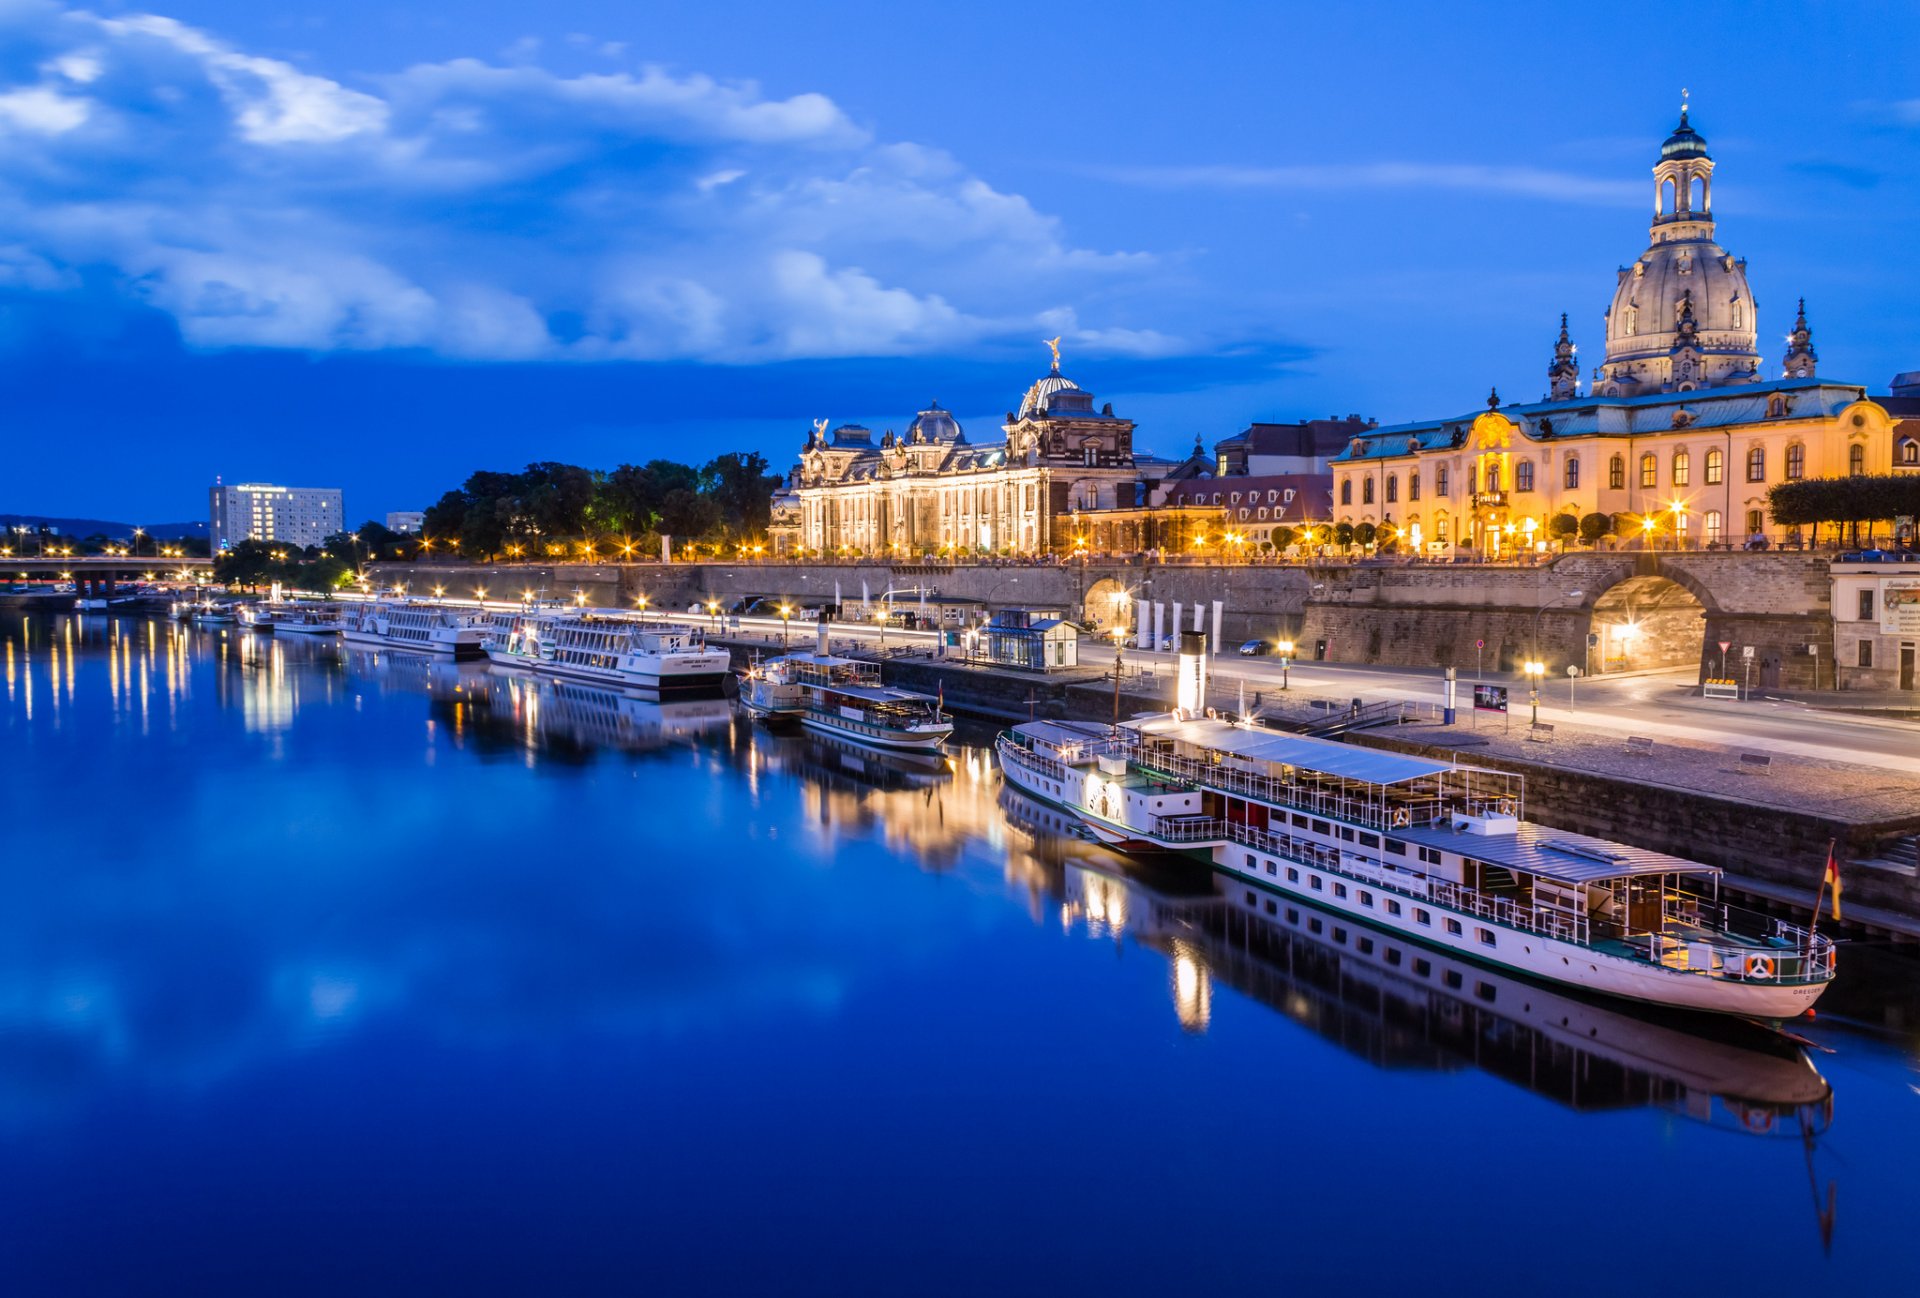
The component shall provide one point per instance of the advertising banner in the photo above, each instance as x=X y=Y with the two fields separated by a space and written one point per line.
x=1490 y=698
x=1900 y=605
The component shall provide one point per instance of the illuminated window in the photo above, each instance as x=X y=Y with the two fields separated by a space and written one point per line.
x=1649 y=470
x=1714 y=524
x=1617 y=473
x=1682 y=468
x=1756 y=525
x=1909 y=451
x=1716 y=467
x=1856 y=460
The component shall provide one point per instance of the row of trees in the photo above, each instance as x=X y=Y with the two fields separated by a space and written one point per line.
x=1846 y=503
x=328 y=566
x=551 y=504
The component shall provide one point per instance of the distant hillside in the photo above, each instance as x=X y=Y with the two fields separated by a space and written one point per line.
x=103 y=527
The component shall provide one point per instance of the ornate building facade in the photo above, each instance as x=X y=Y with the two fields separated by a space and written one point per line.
x=931 y=491
x=1679 y=431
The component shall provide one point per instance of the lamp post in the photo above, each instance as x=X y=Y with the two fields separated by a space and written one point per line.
x=786 y=622
x=1535 y=669
x=1119 y=649
x=1565 y=594
x=713 y=614
x=1286 y=660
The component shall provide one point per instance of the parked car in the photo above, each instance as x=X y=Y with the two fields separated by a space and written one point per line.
x=1255 y=648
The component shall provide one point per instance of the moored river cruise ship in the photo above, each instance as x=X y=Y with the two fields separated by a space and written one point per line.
x=844 y=696
x=608 y=648
x=1434 y=850
x=419 y=625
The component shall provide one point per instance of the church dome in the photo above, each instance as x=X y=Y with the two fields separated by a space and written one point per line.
x=934 y=425
x=1682 y=315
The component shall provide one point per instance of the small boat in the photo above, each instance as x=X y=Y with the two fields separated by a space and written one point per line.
x=845 y=697
x=258 y=617
x=211 y=614
x=1434 y=851
x=308 y=619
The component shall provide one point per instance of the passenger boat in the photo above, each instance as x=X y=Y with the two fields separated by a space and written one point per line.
x=308 y=619
x=1435 y=851
x=1402 y=1005
x=417 y=625
x=606 y=648
x=257 y=617
x=844 y=696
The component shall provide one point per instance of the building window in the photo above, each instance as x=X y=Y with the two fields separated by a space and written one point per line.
x=1756 y=526
x=1393 y=907
x=1856 y=460
x=1366 y=491
x=1413 y=485
x=1714 y=524
x=1682 y=467
x=1422 y=917
x=1346 y=491
x=1573 y=473
x=1716 y=467
x=1453 y=927
x=1340 y=890
x=1523 y=476
x=1393 y=488
x=1757 y=464
x=1909 y=451
x=1796 y=462
x=1440 y=482
x=1316 y=883
x=1866 y=653
x=1493 y=477
x=1649 y=470
x=1366 y=898
x=1485 y=935
x=1616 y=473
x=1866 y=605
x=1440 y=529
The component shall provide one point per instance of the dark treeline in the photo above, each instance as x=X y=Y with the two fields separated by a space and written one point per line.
x=550 y=509
x=323 y=567
x=1846 y=503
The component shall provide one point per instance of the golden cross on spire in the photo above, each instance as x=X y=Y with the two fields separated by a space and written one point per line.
x=1053 y=345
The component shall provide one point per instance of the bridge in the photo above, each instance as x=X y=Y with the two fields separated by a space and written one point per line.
x=101 y=573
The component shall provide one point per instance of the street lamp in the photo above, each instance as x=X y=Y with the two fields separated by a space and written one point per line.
x=1119 y=634
x=786 y=623
x=1535 y=669
x=1286 y=660
x=713 y=613
x=1565 y=594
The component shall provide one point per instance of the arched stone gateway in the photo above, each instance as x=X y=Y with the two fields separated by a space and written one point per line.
x=1108 y=602
x=1644 y=623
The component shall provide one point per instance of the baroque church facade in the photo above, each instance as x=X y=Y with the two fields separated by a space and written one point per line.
x=1679 y=428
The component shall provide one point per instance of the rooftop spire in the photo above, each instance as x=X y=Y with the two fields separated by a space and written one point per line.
x=1801 y=360
x=1563 y=373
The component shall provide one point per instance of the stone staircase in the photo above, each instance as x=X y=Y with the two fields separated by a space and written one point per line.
x=1902 y=856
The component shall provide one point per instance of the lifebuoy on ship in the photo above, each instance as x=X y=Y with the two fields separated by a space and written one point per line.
x=1506 y=806
x=1759 y=966
x=1212 y=715
x=1757 y=1121
x=1401 y=819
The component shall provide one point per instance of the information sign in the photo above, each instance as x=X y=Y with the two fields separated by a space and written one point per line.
x=1490 y=698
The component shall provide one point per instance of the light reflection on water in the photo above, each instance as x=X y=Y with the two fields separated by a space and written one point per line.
x=305 y=929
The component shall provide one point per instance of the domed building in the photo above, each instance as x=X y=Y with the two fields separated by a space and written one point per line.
x=931 y=491
x=1682 y=316
x=1678 y=441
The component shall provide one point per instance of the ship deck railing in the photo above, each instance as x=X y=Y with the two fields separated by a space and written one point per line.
x=1377 y=812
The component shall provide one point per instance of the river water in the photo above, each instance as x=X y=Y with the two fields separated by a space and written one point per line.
x=327 y=971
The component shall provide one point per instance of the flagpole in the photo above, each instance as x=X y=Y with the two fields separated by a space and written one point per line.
x=1826 y=870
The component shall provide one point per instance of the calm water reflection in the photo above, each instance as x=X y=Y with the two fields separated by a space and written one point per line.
x=323 y=970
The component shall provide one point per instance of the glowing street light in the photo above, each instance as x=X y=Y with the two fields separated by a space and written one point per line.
x=786 y=622
x=1535 y=669
x=1286 y=660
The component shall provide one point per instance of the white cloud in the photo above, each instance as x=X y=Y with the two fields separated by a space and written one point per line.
x=41 y=110
x=503 y=210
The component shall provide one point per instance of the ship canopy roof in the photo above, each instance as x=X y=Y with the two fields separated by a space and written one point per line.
x=1555 y=853
x=1366 y=765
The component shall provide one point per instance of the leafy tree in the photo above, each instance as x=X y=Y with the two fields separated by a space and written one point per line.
x=1563 y=527
x=1595 y=526
x=1284 y=537
x=1365 y=533
x=688 y=515
x=742 y=487
x=1343 y=534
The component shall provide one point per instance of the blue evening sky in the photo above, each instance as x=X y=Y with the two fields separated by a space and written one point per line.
x=377 y=245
